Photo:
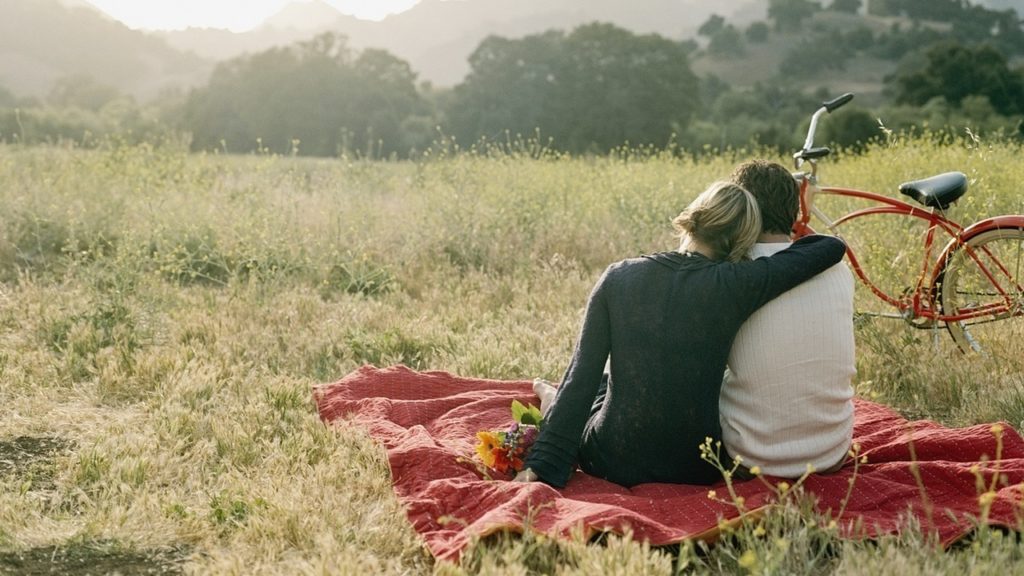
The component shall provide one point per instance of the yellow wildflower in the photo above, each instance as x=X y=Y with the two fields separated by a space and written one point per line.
x=997 y=429
x=783 y=486
x=712 y=494
x=987 y=499
x=756 y=470
x=485 y=448
x=748 y=560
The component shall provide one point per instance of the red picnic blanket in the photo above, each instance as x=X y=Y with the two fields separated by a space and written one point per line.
x=427 y=421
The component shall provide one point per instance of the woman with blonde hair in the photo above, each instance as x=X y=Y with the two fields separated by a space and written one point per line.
x=665 y=324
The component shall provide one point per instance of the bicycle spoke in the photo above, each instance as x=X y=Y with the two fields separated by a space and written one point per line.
x=982 y=294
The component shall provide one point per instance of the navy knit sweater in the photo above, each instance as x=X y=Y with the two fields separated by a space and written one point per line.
x=668 y=322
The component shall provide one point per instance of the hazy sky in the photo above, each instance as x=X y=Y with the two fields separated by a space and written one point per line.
x=233 y=14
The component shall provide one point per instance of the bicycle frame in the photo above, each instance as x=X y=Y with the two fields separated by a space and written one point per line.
x=921 y=301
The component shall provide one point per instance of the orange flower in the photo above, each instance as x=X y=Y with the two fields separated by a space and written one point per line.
x=502 y=462
x=486 y=448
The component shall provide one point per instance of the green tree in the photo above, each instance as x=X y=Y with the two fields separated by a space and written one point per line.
x=1001 y=29
x=768 y=114
x=625 y=88
x=81 y=92
x=853 y=127
x=859 y=38
x=757 y=32
x=591 y=90
x=712 y=88
x=727 y=42
x=711 y=26
x=954 y=72
x=385 y=99
x=317 y=97
x=513 y=86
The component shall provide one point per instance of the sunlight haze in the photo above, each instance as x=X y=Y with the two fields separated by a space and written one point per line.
x=236 y=15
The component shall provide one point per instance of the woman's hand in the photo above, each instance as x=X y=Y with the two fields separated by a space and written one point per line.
x=526 y=475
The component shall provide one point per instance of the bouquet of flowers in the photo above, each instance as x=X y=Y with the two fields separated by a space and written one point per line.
x=504 y=451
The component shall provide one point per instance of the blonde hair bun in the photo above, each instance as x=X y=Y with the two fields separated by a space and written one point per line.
x=725 y=217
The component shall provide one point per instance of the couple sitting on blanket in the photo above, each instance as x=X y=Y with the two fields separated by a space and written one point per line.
x=645 y=384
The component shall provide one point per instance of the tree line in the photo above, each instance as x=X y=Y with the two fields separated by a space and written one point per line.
x=318 y=97
x=588 y=90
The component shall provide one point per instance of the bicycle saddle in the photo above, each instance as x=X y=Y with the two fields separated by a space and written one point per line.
x=938 y=191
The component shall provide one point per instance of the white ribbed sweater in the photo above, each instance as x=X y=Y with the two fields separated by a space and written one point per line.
x=786 y=398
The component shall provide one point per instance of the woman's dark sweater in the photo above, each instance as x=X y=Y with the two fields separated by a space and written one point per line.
x=668 y=322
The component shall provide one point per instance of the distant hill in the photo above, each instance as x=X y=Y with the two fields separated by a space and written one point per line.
x=79 y=4
x=1017 y=5
x=863 y=75
x=437 y=36
x=297 y=21
x=304 y=15
x=42 y=41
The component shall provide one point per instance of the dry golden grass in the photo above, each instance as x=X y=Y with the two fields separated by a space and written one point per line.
x=164 y=317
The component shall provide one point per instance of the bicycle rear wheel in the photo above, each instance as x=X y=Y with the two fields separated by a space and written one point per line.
x=986 y=276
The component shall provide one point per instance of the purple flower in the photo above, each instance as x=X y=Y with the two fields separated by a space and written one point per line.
x=529 y=435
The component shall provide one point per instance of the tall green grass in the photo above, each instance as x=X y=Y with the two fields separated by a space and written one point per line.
x=167 y=314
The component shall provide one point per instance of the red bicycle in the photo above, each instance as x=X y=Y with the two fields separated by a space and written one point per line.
x=973 y=285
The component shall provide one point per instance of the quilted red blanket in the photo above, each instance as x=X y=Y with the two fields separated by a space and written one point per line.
x=427 y=421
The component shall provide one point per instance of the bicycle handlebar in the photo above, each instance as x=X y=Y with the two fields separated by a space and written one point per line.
x=826 y=108
x=839 y=102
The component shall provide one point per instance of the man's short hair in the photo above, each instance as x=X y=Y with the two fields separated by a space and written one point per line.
x=776 y=191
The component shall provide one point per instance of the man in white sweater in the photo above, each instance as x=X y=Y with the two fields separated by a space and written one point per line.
x=786 y=400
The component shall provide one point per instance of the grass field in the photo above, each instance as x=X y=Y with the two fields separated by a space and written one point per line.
x=164 y=317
